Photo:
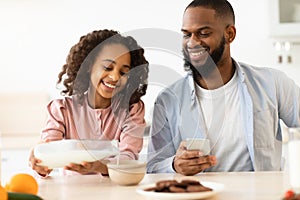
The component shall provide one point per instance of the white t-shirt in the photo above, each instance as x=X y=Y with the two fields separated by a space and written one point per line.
x=223 y=114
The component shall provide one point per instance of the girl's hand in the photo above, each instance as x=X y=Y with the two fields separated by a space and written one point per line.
x=33 y=163
x=88 y=167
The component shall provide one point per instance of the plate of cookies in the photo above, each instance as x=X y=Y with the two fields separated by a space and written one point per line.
x=184 y=189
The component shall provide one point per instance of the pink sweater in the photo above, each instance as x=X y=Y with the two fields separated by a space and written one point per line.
x=67 y=119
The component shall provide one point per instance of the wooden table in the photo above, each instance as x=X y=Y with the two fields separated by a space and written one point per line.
x=238 y=185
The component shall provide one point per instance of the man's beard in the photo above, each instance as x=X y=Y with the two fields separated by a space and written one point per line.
x=210 y=64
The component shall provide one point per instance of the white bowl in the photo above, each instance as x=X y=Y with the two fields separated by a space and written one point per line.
x=60 y=153
x=127 y=172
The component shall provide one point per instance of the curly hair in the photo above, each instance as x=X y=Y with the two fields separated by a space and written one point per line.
x=75 y=74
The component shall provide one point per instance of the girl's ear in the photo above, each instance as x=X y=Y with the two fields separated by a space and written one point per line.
x=230 y=33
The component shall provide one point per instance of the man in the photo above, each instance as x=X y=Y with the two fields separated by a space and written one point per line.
x=236 y=106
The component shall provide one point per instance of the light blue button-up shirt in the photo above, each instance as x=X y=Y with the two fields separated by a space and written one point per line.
x=269 y=96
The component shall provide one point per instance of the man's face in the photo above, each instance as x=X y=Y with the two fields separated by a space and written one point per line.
x=203 y=39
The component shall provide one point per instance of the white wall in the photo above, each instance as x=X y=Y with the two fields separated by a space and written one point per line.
x=36 y=35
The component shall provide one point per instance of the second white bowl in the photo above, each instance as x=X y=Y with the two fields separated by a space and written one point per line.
x=127 y=172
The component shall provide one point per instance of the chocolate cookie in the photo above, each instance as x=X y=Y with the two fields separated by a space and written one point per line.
x=197 y=188
x=174 y=186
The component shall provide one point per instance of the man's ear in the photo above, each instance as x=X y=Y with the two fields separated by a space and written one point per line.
x=230 y=33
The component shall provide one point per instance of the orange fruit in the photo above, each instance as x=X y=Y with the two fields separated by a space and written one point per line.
x=23 y=183
x=3 y=193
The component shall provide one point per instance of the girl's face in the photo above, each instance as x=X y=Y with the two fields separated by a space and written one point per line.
x=108 y=74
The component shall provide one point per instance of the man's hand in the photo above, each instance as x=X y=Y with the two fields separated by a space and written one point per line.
x=191 y=162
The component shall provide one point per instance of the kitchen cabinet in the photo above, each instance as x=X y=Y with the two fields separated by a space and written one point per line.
x=284 y=19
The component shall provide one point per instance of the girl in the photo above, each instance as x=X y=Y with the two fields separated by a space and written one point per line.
x=104 y=78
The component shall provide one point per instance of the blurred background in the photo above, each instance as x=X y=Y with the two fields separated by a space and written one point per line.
x=36 y=36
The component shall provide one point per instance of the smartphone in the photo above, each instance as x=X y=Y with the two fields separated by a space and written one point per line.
x=202 y=145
